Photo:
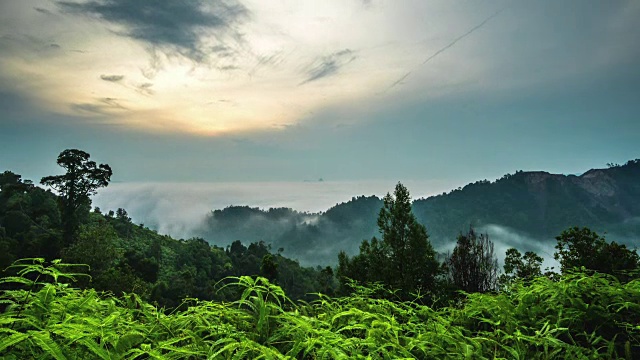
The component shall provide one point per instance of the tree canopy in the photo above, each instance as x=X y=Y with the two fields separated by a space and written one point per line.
x=582 y=247
x=519 y=266
x=82 y=179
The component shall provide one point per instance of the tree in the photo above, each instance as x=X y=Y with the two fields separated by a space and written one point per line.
x=269 y=268
x=96 y=246
x=518 y=266
x=404 y=260
x=472 y=266
x=582 y=247
x=81 y=180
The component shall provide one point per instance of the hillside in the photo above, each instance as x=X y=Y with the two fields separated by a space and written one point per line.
x=124 y=257
x=535 y=204
x=314 y=239
x=541 y=204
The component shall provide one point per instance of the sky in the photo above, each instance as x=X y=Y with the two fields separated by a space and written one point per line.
x=345 y=90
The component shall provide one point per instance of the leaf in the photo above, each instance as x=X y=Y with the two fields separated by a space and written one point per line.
x=46 y=295
x=16 y=279
x=97 y=349
x=43 y=340
x=127 y=341
x=12 y=340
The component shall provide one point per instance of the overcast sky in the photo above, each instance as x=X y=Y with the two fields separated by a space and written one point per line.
x=288 y=90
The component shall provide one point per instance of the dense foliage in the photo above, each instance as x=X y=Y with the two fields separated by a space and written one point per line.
x=580 y=316
x=518 y=266
x=540 y=204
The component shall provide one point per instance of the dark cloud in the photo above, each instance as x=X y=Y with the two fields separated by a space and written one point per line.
x=145 y=88
x=155 y=65
x=112 y=78
x=223 y=51
x=179 y=26
x=43 y=11
x=28 y=45
x=227 y=67
x=101 y=106
x=328 y=65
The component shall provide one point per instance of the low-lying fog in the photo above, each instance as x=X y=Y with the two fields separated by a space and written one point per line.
x=180 y=209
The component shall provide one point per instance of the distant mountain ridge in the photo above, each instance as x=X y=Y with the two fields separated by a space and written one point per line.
x=535 y=203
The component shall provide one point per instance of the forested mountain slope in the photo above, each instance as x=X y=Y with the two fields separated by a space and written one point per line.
x=537 y=204
x=541 y=204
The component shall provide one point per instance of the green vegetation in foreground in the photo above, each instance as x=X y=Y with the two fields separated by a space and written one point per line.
x=579 y=316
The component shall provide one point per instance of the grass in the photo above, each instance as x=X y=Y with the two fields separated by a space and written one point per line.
x=579 y=316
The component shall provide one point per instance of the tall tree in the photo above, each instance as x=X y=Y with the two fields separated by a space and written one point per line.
x=404 y=260
x=473 y=266
x=81 y=180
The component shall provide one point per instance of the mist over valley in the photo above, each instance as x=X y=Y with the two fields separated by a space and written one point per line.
x=313 y=221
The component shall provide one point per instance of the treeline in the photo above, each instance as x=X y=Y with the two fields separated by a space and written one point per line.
x=404 y=259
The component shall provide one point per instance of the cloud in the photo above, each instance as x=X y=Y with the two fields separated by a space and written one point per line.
x=101 y=106
x=175 y=26
x=43 y=11
x=145 y=88
x=228 y=68
x=328 y=65
x=504 y=238
x=112 y=78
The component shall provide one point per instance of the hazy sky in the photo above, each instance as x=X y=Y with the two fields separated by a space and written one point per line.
x=287 y=90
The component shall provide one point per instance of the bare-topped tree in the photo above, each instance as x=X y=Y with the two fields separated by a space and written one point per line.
x=473 y=266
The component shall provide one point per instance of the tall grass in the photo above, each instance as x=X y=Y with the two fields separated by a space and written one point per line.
x=579 y=316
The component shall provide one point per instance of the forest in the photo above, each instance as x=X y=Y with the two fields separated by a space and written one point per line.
x=80 y=283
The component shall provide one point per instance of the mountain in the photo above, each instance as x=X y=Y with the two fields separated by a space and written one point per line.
x=540 y=204
x=534 y=204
